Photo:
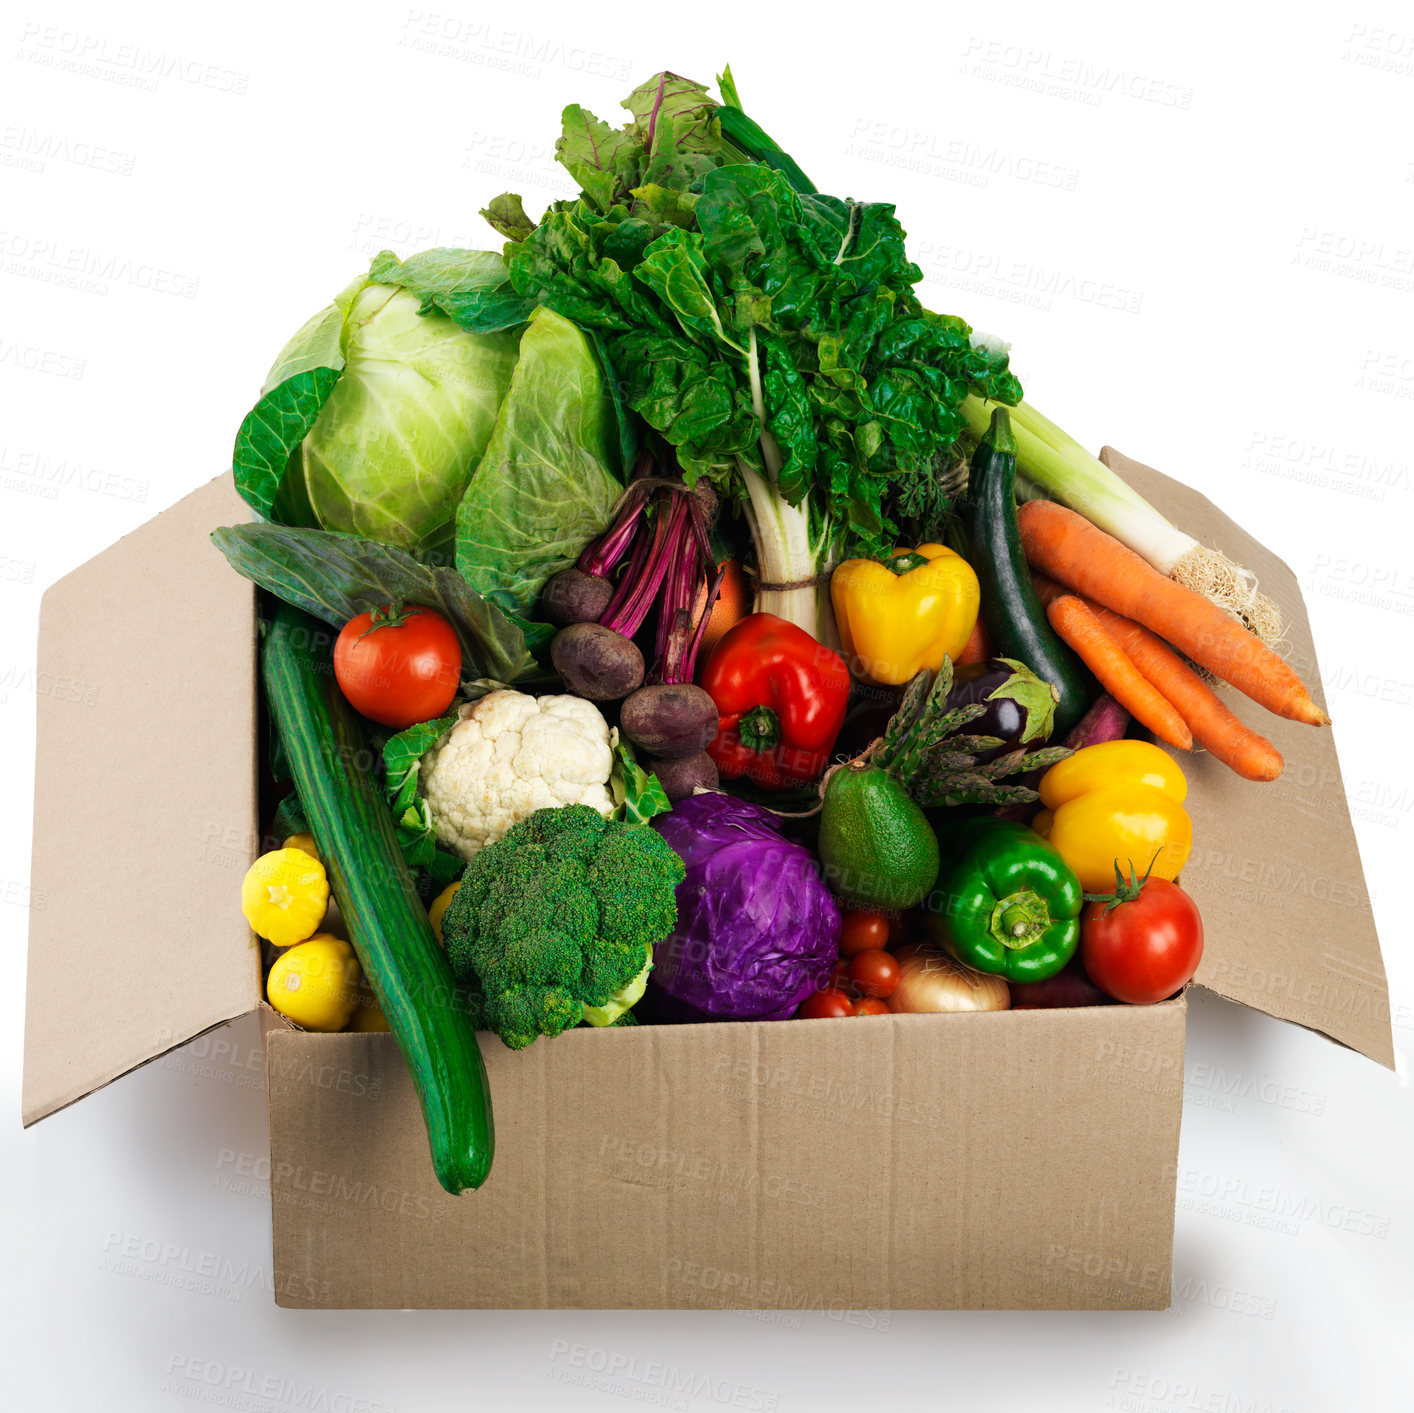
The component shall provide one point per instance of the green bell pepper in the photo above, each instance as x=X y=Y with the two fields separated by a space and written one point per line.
x=1006 y=902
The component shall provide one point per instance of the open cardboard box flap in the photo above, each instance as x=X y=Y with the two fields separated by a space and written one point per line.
x=1275 y=870
x=144 y=804
x=145 y=816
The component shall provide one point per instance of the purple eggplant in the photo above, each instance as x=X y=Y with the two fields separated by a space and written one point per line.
x=1020 y=706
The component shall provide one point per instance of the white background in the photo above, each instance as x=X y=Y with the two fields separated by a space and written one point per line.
x=1193 y=223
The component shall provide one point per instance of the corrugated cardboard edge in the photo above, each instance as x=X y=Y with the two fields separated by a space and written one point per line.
x=1287 y=917
x=975 y=1161
x=145 y=738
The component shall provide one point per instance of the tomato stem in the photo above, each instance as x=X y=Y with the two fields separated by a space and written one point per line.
x=1126 y=891
x=393 y=615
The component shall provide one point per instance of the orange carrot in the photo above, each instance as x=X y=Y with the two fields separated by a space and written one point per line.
x=1214 y=726
x=1068 y=547
x=1117 y=675
x=978 y=647
x=1048 y=589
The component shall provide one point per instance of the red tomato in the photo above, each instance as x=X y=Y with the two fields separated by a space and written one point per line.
x=398 y=667
x=1142 y=951
x=875 y=973
x=839 y=978
x=869 y=1006
x=825 y=1005
x=863 y=932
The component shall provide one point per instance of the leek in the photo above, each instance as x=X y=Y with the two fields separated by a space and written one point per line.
x=1055 y=465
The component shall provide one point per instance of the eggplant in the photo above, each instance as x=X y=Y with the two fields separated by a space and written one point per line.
x=1020 y=706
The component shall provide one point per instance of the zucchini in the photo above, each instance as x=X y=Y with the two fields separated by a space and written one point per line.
x=1014 y=618
x=747 y=135
x=330 y=761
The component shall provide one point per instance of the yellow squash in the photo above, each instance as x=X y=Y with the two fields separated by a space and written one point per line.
x=907 y=613
x=316 y=983
x=1120 y=802
x=285 y=895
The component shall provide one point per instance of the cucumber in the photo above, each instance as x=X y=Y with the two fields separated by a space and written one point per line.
x=331 y=763
x=1015 y=620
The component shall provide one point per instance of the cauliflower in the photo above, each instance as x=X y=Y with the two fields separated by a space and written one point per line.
x=509 y=755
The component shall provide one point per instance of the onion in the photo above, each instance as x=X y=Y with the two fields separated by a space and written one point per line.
x=932 y=981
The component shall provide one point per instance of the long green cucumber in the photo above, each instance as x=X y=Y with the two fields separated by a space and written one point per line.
x=1011 y=611
x=330 y=762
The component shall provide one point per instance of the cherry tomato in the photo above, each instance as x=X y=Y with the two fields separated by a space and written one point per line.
x=870 y=1006
x=1143 y=950
x=825 y=1005
x=398 y=666
x=839 y=979
x=863 y=932
x=876 y=974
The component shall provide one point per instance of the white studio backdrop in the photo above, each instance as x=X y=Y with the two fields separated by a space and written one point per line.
x=1194 y=227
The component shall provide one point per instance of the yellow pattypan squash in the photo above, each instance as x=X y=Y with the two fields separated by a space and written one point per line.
x=316 y=983
x=368 y=1015
x=284 y=896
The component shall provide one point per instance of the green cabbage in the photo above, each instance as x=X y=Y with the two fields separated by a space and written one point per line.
x=395 y=445
x=548 y=482
x=406 y=423
x=423 y=378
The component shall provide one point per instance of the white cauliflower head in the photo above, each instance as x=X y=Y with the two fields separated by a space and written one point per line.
x=509 y=755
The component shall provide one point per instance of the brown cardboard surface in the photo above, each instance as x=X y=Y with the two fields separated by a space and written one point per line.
x=144 y=811
x=1005 y=1160
x=1275 y=868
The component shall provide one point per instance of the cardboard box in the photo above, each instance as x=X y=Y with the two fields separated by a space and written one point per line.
x=1015 y=1159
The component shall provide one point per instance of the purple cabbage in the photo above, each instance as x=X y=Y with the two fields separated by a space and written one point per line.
x=757 y=929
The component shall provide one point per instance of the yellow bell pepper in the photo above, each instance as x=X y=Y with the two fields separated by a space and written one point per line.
x=285 y=895
x=909 y=612
x=1116 y=803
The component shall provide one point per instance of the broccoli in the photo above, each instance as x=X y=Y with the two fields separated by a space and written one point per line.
x=559 y=916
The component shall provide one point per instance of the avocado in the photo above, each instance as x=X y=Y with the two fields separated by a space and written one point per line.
x=877 y=848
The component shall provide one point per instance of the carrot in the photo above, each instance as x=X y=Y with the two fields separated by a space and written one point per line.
x=1104 y=657
x=1068 y=547
x=1214 y=726
x=978 y=648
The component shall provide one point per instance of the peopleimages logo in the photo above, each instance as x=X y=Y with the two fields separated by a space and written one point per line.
x=123 y=62
x=192 y=1376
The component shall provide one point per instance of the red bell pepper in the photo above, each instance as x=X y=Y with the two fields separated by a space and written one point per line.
x=780 y=698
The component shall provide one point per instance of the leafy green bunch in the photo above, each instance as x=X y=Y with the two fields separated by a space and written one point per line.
x=754 y=326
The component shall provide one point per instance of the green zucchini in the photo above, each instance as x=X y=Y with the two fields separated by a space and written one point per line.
x=331 y=763
x=747 y=135
x=1011 y=611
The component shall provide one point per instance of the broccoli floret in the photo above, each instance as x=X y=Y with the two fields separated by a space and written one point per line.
x=556 y=917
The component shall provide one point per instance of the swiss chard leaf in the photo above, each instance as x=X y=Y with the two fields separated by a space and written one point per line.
x=507 y=215
x=604 y=161
x=336 y=577
x=685 y=103
x=269 y=438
